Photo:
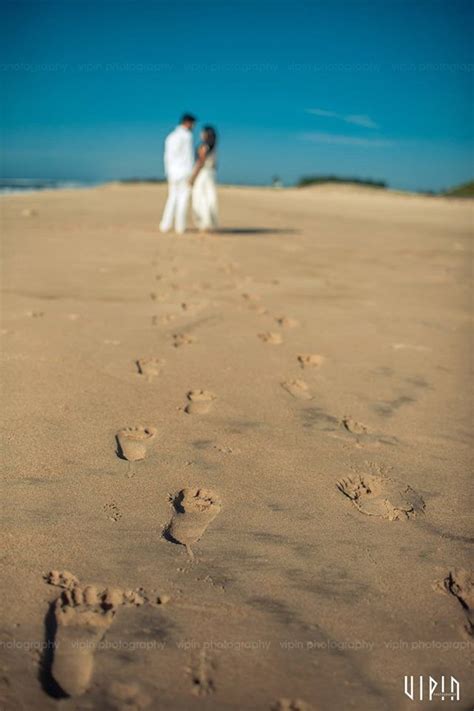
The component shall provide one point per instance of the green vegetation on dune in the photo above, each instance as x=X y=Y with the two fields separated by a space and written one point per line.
x=320 y=179
x=464 y=190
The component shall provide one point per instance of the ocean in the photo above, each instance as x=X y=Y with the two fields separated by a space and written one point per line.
x=25 y=185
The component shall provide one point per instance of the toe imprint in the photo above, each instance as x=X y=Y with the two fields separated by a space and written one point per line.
x=460 y=584
x=182 y=339
x=200 y=402
x=83 y=615
x=133 y=442
x=194 y=509
x=271 y=337
x=298 y=389
x=383 y=497
x=80 y=628
x=310 y=360
x=149 y=367
x=287 y=322
x=353 y=426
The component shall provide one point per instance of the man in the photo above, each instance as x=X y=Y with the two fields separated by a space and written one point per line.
x=179 y=163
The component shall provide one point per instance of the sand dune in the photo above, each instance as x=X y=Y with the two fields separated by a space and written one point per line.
x=268 y=429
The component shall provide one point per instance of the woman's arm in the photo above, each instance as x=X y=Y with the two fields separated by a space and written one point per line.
x=202 y=153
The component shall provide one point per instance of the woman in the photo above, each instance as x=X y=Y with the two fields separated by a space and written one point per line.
x=203 y=180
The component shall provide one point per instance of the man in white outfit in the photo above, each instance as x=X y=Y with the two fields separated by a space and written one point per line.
x=179 y=163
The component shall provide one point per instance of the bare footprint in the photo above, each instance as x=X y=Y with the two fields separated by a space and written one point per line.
x=460 y=584
x=298 y=389
x=258 y=308
x=353 y=426
x=202 y=675
x=200 y=402
x=149 y=367
x=381 y=496
x=310 y=360
x=112 y=511
x=291 y=705
x=190 y=306
x=287 y=322
x=82 y=616
x=82 y=619
x=194 y=509
x=182 y=339
x=133 y=442
x=271 y=337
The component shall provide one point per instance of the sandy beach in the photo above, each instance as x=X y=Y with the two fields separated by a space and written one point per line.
x=235 y=468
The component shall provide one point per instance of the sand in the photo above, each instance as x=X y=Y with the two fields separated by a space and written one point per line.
x=235 y=466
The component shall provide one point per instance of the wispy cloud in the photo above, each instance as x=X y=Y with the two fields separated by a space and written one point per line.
x=355 y=119
x=361 y=120
x=336 y=139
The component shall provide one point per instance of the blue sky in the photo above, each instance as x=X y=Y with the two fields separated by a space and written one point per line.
x=377 y=89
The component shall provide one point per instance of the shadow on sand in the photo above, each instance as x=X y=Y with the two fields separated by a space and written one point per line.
x=47 y=681
x=254 y=231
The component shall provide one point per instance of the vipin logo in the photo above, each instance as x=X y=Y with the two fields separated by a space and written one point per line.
x=421 y=689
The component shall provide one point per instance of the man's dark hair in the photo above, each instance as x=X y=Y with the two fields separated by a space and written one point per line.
x=188 y=118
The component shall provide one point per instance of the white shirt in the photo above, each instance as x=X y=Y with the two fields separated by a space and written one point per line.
x=178 y=157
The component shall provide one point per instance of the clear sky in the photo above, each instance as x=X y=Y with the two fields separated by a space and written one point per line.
x=378 y=89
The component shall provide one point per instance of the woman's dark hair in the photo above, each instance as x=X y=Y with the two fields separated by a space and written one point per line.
x=210 y=137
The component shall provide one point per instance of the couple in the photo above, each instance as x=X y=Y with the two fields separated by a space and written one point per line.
x=186 y=174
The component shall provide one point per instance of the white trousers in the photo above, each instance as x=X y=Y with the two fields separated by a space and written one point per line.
x=176 y=207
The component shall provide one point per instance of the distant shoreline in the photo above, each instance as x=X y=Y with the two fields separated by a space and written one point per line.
x=26 y=186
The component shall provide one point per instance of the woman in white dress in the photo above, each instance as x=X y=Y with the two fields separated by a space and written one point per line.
x=203 y=180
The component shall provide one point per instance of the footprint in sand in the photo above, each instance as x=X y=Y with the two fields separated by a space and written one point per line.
x=381 y=496
x=291 y=705
x=35 y=314
x=189 y=306
x=133 y=442
x=310 y=360
x=182 y=339
x=194 y=509
x=29 y=212
x=167 y=318
x=298 y=389
x=253 y=303
x=353 y=426
x=153 y=296
x=271 y=337
x=149 y=367
x=82 y=616
x=287 y=322
x=200 y=402
x=460 y=584
x=202 y=676
x=112 y=511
